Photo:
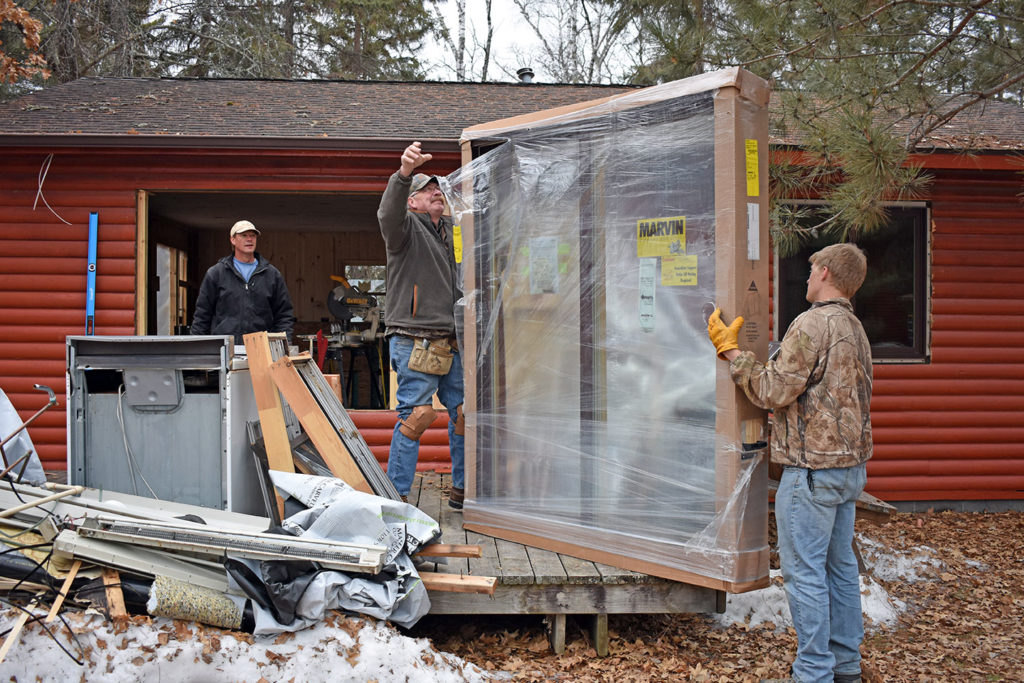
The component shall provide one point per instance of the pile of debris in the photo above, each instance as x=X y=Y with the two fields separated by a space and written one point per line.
x=340 y=550
x=337 y=536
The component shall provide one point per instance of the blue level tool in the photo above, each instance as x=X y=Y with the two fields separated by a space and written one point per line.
x=90 y=278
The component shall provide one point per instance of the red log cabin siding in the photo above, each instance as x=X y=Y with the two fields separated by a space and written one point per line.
x=953 y=429
x=42 y=284
x=43 y=261
x=950 y=429
x=377 y=426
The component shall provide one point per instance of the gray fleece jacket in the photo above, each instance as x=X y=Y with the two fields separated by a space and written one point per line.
x=422 y=281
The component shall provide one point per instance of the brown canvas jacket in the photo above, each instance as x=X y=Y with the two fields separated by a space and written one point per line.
x=819 y=388
x=422 y=277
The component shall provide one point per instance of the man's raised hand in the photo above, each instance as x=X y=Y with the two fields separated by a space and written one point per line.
x=413 y=158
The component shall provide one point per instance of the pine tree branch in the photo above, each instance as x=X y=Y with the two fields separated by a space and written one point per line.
x=245 y=54
x=972 y=12
x=823 y=35
x=84 y=71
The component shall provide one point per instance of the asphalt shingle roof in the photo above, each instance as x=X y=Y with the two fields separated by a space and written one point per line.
x=279 y=108
x=298 y=111
x=989 y=125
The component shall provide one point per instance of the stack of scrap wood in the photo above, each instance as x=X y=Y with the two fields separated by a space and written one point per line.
x=328 y=443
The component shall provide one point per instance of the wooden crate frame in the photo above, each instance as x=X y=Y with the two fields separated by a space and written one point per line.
x=741 y=287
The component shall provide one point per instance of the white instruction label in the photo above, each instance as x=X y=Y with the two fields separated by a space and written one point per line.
x=544 y=265
x=648 y=282
x=753 y=232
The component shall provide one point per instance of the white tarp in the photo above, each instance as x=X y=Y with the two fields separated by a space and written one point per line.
x=336 y=511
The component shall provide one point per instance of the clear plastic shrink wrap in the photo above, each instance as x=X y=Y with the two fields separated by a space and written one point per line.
x=596 y=239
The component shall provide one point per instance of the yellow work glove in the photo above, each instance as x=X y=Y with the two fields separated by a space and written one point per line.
x=724 y=338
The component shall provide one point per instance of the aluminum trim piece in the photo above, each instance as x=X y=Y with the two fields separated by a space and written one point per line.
x=138 y=560
x=219 y=543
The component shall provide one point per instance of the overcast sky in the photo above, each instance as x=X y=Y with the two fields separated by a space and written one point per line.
x=511 y=33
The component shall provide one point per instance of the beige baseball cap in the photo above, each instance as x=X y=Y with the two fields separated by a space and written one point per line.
x=243 y=226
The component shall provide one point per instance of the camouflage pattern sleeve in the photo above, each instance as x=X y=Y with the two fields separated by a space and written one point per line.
x=777 y=383
x=818 y=389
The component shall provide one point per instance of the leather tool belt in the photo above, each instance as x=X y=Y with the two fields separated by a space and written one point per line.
x=431 y=356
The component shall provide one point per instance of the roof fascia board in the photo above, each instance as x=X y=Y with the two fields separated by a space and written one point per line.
x=985 y=160
x=224 y=142
x=1001 y=160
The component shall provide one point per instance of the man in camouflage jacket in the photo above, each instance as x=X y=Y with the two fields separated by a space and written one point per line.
x=819 y=389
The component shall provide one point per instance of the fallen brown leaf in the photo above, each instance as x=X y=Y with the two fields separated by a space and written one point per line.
x=964 y=622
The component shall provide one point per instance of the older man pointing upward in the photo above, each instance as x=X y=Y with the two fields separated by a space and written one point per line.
x=422 y=290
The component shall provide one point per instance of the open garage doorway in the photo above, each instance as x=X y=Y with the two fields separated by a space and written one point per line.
x=309 y=237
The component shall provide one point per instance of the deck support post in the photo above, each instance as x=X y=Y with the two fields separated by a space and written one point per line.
x=600 y=629
x=556 y=632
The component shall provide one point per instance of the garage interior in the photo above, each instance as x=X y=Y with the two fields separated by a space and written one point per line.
x=309 y=237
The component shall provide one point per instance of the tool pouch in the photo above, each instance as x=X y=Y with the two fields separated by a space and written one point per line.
x=431 y=356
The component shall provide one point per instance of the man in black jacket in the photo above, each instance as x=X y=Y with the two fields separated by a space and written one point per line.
x=243 y=293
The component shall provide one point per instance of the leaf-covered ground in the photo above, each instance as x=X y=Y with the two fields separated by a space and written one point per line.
x=963 y=620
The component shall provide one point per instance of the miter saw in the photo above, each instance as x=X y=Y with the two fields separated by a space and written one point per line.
x=346 y=303
x=358 y=330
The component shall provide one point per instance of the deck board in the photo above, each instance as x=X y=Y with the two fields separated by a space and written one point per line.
x=547 y=568
x=580 y=571
x=515 y=563
x=611 y=574
x=435 y=503
x=488 y=564
x=537 y=581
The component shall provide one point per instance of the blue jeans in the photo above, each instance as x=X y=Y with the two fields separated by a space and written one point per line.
x=418 y=389
x=814 y=512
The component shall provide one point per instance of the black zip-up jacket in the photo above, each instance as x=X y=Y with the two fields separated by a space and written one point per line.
x=227 y=304
x=423 y=284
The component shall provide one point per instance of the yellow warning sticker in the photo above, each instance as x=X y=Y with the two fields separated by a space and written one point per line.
x=660 y=236
x=679 y=271
x=753 y=182
x=457 y=242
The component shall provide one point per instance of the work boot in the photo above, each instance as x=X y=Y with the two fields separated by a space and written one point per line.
x=778 y=680
x=846 y=678
x=456 y=497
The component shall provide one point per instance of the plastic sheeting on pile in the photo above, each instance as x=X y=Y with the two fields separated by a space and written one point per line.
x=290 y=596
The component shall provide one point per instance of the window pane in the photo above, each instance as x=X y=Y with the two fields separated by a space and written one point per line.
x=890 y=304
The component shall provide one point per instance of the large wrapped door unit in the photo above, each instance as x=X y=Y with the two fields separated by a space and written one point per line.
x=597 y=238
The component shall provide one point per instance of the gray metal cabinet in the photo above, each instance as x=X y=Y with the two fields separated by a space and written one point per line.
x=162 y=417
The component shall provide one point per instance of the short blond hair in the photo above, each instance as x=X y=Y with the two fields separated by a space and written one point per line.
x=847 y=265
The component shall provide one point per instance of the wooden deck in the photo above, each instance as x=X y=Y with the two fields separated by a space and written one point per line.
x=536 y=581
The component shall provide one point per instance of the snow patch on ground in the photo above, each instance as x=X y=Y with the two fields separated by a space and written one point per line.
x=917 y=564
x=342 y=650
x=355 y=649
x=753 y=608
x=879 y=608
x=769 y=605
